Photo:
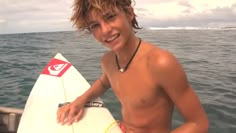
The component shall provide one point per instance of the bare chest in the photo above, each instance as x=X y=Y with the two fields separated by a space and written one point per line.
x=135 y=88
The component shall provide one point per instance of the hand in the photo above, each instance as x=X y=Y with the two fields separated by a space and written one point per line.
x=69 y=113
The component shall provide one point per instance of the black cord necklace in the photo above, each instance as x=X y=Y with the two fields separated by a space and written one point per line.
x=126 y=67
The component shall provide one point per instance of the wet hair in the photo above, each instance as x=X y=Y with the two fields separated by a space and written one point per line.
x=82 y=8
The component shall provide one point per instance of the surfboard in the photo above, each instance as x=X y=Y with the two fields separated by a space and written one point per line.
x=61 y=82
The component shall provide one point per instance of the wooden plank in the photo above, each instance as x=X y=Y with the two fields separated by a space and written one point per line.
x=9 y=119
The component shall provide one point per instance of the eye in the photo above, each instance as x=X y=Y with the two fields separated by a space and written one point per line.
x=93 y=26
x=110 y=16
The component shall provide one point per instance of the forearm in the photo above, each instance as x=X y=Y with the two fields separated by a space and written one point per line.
x=96 y=90
x=191 y=127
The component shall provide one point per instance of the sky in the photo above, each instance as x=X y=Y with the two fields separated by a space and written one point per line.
x=23 y=16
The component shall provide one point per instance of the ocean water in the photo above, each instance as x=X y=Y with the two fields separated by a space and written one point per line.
x=208 y=57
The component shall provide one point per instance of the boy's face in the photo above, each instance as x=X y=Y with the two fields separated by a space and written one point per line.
x=112 y=29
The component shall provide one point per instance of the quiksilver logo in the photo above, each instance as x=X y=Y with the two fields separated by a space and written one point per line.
x=56 y=69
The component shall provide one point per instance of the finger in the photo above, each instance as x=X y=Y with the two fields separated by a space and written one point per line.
x=71 y=116
x=63 y=115
x=79 y=115
x=59 y=111
x=59 y=114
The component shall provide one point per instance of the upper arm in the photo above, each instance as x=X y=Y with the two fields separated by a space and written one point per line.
x=104 y=79
x=99 y=86
x=174 y=82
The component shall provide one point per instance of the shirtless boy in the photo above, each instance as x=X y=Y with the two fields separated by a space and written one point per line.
x=147 y=80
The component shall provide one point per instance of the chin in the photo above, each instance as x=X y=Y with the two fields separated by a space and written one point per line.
x=117 y=47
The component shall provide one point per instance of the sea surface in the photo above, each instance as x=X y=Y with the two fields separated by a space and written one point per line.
x=208 y=57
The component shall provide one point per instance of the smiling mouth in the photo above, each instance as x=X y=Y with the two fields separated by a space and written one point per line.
x=114 y=37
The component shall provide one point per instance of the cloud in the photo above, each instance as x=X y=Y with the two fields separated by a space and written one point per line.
x=185 y=4
x=143 y=12
x=189 y=13
x=53 y=15
x=147 y=2
x=2 y=20
x=34 y=15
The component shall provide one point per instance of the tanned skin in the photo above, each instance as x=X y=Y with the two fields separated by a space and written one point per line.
x=148 y=90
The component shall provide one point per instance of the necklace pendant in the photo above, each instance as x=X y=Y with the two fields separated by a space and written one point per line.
x=122 y=70
x=125 y=68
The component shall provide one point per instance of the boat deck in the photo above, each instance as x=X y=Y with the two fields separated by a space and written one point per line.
x=9 y=119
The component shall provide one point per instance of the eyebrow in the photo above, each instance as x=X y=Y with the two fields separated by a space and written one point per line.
x=103 y=16
x=90 y=22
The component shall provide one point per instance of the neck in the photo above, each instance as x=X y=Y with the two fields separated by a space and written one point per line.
x=127 y=50
x=125 y=67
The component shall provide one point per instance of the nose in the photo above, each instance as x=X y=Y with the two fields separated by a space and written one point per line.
x=106 y=27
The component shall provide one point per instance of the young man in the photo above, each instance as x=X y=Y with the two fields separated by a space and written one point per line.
x=148 y=81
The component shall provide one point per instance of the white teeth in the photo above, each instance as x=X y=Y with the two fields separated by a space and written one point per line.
x=112 y=38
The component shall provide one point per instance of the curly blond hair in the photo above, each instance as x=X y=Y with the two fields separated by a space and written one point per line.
x=81 y=8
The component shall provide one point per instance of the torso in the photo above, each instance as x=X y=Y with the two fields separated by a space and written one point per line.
x=145 y=105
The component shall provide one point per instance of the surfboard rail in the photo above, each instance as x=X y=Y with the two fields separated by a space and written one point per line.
x=60 y=82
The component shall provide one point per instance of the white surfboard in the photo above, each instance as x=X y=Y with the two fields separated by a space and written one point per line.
x=60 y=82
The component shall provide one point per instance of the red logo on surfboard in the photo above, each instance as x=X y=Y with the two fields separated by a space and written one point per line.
x=56 y=67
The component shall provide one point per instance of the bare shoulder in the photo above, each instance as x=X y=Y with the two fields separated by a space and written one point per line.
x=107 y=59
x=107 y=56
x=161 y=59
x=165 y=67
